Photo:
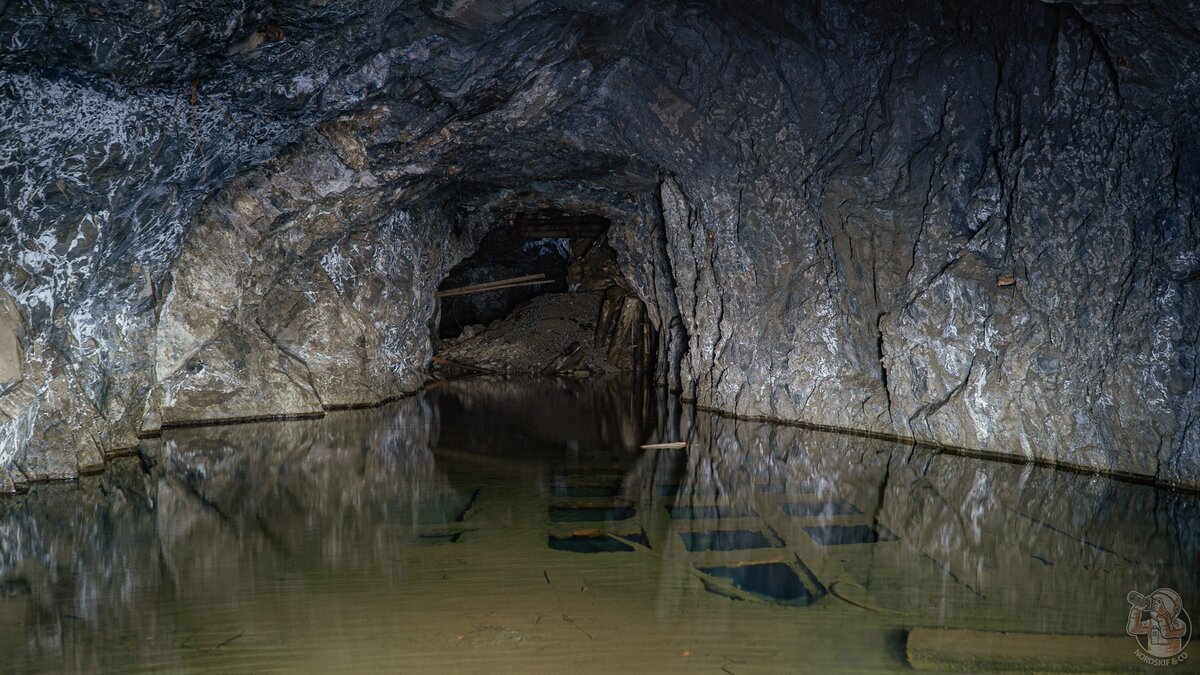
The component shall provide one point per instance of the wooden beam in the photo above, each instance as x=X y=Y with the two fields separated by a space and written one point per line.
x=976 y=651
x=675 y=445
x=468 y=290
x=488 y=285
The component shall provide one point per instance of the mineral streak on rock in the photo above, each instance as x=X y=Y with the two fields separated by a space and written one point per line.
x=970 y=223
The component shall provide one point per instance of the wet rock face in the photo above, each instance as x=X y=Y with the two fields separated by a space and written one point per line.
x=294 y=291
x=971 y=224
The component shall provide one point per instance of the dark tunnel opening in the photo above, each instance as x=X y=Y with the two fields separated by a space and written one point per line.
x=502 y=257
x=543 y=294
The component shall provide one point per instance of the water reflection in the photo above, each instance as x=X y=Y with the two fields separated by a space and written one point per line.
x=517 y=526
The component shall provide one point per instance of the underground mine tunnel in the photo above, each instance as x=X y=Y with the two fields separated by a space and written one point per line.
x=543 y=295
x=599 y=335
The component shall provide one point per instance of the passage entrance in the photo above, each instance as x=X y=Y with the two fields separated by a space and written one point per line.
x=543 y=295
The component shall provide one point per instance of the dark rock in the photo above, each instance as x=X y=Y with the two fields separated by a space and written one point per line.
x=594 y=265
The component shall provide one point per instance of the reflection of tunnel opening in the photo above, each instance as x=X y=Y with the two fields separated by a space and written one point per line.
x=542 y=294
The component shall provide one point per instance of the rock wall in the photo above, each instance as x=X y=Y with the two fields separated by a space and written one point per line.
x=966 y=226
x=970 y=223
x=117 y=120
x=983 y=527
x=294 y=292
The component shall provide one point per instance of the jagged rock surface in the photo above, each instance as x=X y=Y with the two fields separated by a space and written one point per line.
x=294 y=291
x=823 y=207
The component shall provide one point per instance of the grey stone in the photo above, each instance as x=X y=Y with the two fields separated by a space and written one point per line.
x=12 y=330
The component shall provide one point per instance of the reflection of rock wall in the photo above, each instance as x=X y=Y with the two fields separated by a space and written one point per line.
x=965 y=223
x=342 y=494
x=970 y=531
x=69 y=542
x=230 y=524
x=360 y=482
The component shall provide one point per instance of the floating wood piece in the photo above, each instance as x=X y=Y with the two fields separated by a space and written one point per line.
x=528 y=280
x=673 y=445
x=977 y=651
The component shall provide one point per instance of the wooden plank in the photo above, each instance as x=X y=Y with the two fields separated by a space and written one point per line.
x=674 y=445
x=976 y=651
x=501 y=287
x=488 y=285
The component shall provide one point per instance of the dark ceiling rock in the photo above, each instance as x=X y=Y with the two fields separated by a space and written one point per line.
x=970 y=223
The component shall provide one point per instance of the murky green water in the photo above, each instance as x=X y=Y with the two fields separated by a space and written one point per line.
x=518 y=528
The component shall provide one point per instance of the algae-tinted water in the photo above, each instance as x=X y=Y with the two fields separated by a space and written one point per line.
x=724 y=540
x=709 y=512
x=439 y=534
x=837 y=535
x=773 y=581
x=812 y=509
x=560 y=514
x=602 y=542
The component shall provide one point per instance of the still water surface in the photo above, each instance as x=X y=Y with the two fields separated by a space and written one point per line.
x=516 y=527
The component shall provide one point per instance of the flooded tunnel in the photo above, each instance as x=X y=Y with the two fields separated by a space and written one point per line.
x=489 y=336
